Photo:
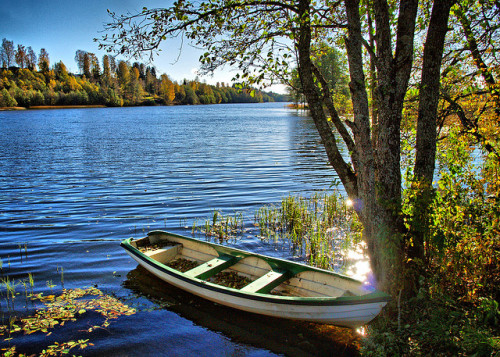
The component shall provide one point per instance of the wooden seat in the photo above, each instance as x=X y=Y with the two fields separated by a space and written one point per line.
x=212 y=267
x=267 y=282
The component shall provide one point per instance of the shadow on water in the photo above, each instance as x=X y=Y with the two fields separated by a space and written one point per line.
x=291 y=338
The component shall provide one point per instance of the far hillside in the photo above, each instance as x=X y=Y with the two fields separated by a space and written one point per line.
x=28 y=80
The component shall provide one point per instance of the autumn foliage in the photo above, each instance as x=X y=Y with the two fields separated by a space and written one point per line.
x=116 y=84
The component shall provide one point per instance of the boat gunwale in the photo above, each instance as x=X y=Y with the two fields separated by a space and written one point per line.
x=375 y=296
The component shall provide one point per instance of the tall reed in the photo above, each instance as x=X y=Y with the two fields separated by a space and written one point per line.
x=220 y=226
x=10 y=287
x=309 y=224
x=31 y=281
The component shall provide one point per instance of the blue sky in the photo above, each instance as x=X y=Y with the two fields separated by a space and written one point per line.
x=63 y=27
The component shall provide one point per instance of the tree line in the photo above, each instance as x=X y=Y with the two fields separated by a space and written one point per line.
x=112 y=82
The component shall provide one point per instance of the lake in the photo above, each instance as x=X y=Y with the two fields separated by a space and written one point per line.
x=75 y=182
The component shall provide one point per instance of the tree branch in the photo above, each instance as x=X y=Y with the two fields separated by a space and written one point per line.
x=470 y=126
x=327 y=99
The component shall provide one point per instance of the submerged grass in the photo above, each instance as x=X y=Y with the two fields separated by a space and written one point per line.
x=312 y=225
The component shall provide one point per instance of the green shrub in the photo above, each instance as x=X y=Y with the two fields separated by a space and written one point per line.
x=456 y=312
x=6 y=99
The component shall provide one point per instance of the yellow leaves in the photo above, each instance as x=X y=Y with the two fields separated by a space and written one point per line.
x=69 y=306
x=167 y=89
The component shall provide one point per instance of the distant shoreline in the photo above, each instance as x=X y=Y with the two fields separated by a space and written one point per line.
x=12 y=108
x=35 y=107
x=54 y=107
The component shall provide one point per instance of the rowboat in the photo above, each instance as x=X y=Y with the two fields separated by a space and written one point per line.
x=256 y=283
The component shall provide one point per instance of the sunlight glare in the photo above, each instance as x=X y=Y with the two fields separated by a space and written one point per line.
x=361 y=331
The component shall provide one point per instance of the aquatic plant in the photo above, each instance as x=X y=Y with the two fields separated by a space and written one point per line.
x=307 y=224
x=20 y=252
x=31 y=282
x=61 y=271
x=194 y=227
x=50 y=285
x=220 y=226
x=25 y=286
x=10 y=288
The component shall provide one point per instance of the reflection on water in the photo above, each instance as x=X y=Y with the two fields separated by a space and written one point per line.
x=280 y=336
x=74 y=183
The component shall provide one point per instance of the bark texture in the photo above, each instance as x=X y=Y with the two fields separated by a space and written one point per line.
x=427 y=127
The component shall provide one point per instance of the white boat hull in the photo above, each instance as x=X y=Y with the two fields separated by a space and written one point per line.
x=328 y=311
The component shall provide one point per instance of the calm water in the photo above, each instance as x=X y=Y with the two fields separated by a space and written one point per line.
x=74 y=183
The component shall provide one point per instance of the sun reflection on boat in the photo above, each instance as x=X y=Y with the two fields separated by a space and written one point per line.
x=358 y=263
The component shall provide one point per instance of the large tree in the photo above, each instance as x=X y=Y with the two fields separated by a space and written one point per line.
x=7 y=53
x=43 y=60
x=21 y=56
x=31 y=58
x=167 y=89
x=266 y=38
x=80 y=60
x=107 y=74
x=472 y=72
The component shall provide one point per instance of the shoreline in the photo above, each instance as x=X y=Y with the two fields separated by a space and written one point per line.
x=55 y=107
x=37 y=107
x=12 y=108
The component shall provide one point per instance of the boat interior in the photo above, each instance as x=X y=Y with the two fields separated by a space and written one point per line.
x=248 y=272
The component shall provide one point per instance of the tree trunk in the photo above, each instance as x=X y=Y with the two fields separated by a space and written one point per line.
x=379 y=178
x=427 y=126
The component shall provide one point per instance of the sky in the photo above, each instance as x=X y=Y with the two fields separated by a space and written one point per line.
x=63 y=27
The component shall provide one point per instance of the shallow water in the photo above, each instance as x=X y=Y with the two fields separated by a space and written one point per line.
x=75 y=182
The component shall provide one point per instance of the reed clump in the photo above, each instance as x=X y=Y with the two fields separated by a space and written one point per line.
x=10 y=291
x=314 y=226
x=222 y=227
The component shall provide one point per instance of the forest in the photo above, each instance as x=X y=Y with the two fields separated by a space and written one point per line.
x=28 y=80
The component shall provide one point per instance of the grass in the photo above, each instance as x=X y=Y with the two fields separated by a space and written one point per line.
x=435 y=326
